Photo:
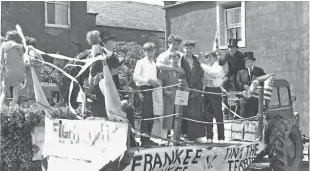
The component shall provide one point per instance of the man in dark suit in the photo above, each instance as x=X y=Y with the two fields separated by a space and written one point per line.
x=249 y=107
x=235 y=62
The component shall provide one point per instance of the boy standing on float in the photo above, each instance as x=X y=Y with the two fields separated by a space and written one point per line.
x=213 y=78
x=162 y=61
x=145 y=76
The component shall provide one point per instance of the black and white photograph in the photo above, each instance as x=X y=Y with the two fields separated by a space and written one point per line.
x=150 y=85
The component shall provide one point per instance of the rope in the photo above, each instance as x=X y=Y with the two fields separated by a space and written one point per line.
x=138 y=91
x=145 y=134
x=158 y=117
x=203 y=122
x=223 y=104
x=222 y=94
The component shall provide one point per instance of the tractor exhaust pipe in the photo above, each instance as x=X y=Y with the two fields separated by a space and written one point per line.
x=260 y=111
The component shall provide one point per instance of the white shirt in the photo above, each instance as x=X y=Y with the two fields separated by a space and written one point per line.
x=145 y=69
x=249 y=70
x=213 y=74
x=163 y=58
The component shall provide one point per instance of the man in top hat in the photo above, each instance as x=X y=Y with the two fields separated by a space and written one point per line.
x=109 y=44
x=249 y=107
x=235 y=62
x=98 y=104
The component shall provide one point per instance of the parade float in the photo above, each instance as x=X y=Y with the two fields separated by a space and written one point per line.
x=75 y=143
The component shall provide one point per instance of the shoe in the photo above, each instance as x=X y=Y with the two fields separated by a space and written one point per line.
x=221 y=141
x=183 y=137
x=171 y=133
x=201 y=140
x=209 y=141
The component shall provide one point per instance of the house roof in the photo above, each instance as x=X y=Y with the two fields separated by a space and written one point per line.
x=128 y=14
x=177 y=4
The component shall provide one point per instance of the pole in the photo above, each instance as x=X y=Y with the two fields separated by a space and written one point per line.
x=260 y=110
x=178 y=118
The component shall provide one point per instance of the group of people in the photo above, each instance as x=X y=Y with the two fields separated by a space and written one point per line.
x=15 y=67
x=209 y=72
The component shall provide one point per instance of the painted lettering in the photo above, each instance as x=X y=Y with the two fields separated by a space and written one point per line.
x=170 y=160
x=197 y=156
x=157 y=161
x=188 y=151
x=178 y=168
x=135 y=162
x=178 y=154
x=148 y=160
x=227 y=152
x=229 y=164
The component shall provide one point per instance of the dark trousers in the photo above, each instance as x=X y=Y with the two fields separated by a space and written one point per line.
x=248 y=107
x=228 y=85
x=130 y=116
x=213 y=108
x=147 y=112
x=184 y=122
x=98 y=105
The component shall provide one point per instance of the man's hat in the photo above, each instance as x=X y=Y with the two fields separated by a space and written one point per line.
x=249 y=56
x=106 y=35
x=233 y=43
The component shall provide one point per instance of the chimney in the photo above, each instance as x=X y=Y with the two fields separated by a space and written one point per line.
x=168 y=3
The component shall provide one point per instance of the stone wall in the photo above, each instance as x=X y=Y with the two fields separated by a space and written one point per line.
x=277 y=33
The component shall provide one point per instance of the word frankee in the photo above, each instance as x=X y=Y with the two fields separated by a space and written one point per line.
x=177 y=160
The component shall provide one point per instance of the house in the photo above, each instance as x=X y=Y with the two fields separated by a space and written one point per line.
x=58 y=26
x=277 y=33
x=131 y=21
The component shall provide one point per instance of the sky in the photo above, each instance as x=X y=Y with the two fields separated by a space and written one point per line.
x=155 y=2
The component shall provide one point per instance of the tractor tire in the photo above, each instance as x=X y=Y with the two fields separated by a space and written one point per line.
x=286 y=146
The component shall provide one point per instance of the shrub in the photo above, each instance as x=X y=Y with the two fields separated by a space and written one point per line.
x=17 y=124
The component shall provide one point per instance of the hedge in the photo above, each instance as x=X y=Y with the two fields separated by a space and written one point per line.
x=17 y=124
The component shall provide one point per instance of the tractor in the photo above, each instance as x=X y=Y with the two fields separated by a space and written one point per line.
x=281 y=134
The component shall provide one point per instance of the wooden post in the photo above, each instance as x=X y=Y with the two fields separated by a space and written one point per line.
x=260 y=110
x=178 y=118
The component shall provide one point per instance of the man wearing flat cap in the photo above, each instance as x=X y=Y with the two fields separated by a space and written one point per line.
x=249 y=107
x=235 y=62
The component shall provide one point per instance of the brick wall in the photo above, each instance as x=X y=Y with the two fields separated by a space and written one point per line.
x=277 y=33
x=135 y=35
x=31 y=17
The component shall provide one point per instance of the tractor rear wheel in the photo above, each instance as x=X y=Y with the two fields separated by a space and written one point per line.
x=286 y=146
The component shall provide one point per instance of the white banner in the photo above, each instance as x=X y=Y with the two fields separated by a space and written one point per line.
x=193 y=158
x=92 y=143
x=38 y=142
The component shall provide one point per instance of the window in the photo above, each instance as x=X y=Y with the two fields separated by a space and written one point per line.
x=284 y=96
x=274 y=101
x=162 y=43
x=231 y=22
x=57 y=14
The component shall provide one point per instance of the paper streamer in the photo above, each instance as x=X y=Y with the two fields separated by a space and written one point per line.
x=39 y=94
x=88 y=62
x=67 y=75
x=112 y=100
